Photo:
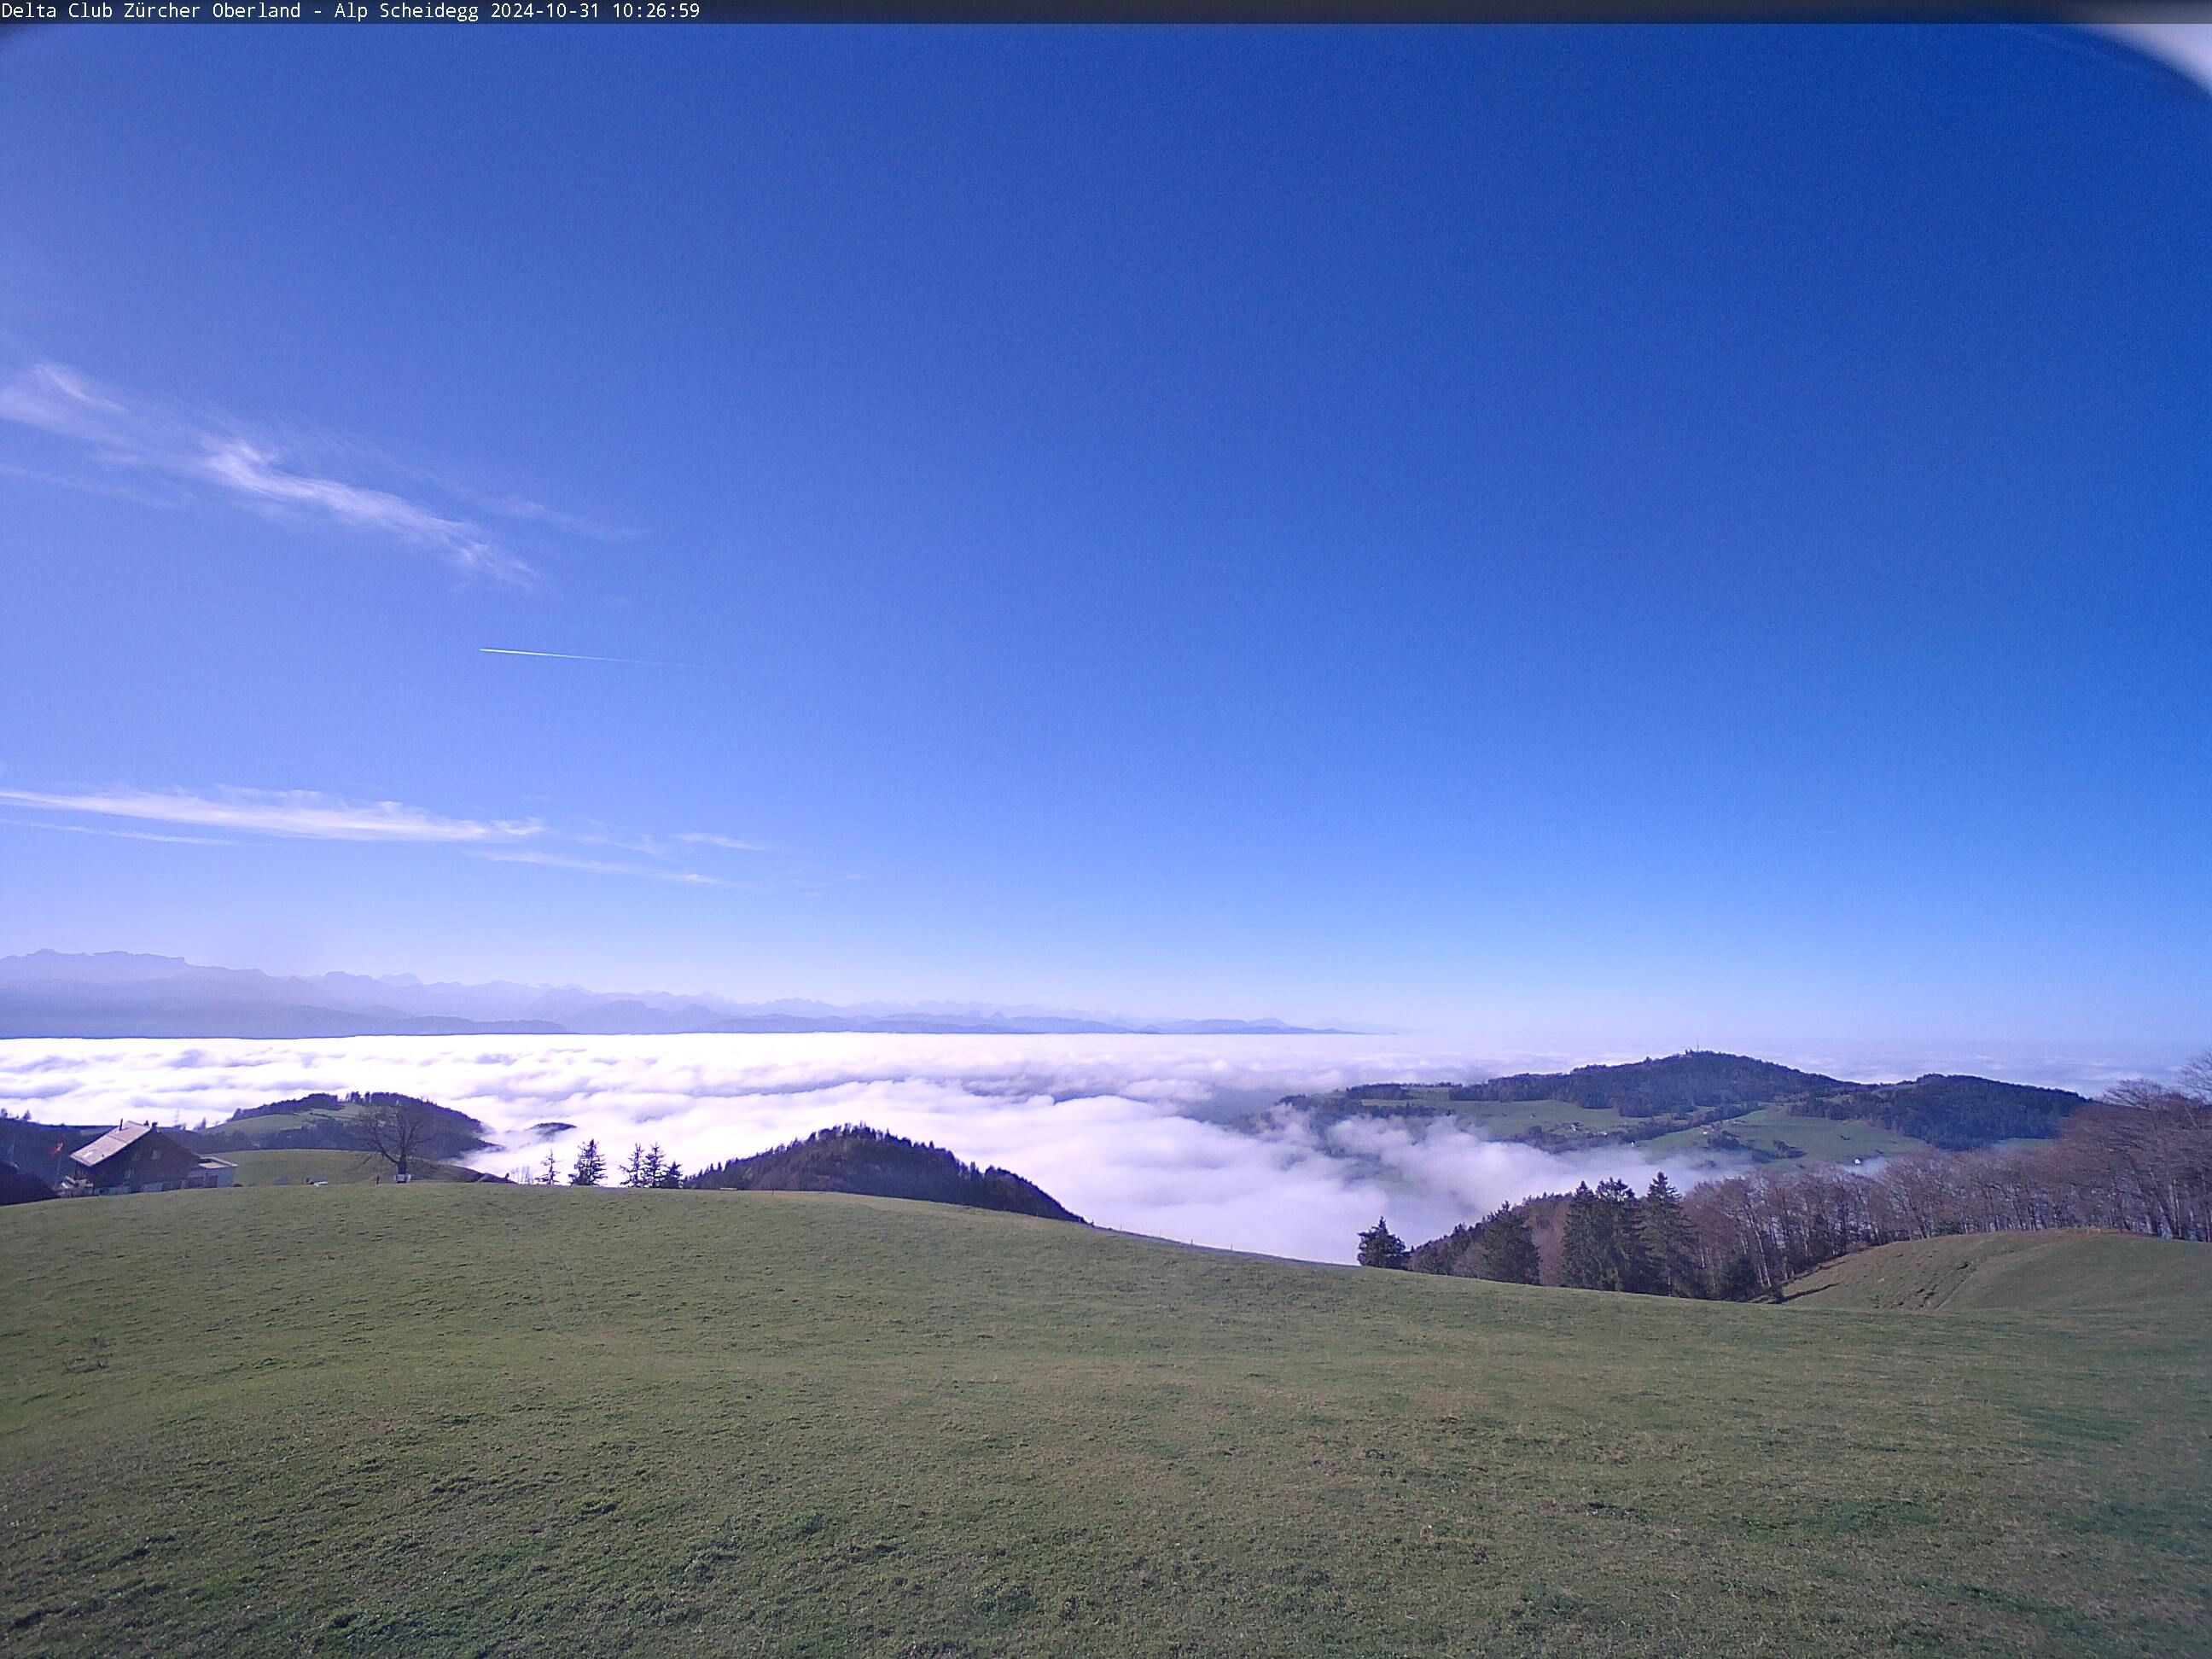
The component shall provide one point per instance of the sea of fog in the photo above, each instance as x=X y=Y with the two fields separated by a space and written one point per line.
x=1147 y=1134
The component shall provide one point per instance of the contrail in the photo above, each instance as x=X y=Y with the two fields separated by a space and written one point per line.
x=570 y=656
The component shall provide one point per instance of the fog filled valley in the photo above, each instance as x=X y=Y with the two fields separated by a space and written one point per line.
x=1177 y=1137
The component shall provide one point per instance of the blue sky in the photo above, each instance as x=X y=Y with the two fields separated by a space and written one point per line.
x=1639 y=536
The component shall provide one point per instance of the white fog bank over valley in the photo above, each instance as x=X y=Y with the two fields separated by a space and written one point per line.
x=1142 y=1133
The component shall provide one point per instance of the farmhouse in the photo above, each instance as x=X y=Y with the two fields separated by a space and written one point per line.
x=137 y=1158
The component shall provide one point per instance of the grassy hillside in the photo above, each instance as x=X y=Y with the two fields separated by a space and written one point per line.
x=1780 y=1133
x=325 y=1120
x=473 y=1420
x=265 y=1166
x=2082 y=1274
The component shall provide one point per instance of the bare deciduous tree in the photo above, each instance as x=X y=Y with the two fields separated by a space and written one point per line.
x=2196 y=1079
x=397 y=1129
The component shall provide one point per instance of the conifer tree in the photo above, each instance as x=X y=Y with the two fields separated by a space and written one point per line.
x=1739 y=1278
x=632 y=1170
x=671 y=1174
x=549 y=1172
x=1508 y=1249
x=1458 y=1251
x=1381 y=1248
x=590 y=1169
x=649 y=1166
x=1627 y=1264
x=1583 y=1254
x=1667 y=1246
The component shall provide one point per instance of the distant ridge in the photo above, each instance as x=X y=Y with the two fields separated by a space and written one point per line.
x=1656 y=1102
x=116 y=993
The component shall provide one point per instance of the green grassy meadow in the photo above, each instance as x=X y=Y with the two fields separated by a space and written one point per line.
x=1769 y=1128
x=451 y=1418
x=264 y=1167
x=1504 y=1119
x=2079 y=1274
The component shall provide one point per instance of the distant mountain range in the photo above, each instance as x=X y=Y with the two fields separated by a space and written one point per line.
x=116 y=993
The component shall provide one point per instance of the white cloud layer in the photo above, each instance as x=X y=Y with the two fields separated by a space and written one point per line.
x=1131 y=1132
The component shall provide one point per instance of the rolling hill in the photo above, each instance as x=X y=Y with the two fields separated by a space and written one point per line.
x=872 y=1164
x=303 y=1166
x=504 y=1420
x=1698 y=1106
x=335 y=1121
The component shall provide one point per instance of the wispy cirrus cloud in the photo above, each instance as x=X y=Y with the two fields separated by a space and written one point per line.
x=303 y=813
x=728 y=843
x=210 y=454
x=529 y=512
x=572 y=656
x=606 y=867
x=260 y=475
x=312 y=815
x=119 y=835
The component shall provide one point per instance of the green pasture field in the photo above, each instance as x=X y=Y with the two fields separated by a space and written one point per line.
x=1500 y=1118
x=1504 y=1119
x=470 y=1419
x=298 y=1165
x=1822 y=1139
x=2076 y=1273
x=272 y=1123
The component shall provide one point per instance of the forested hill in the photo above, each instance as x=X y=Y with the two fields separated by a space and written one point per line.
x=855 y=1159
x=1730 y=1102
x=1688 y=1082
x=1955 y=1113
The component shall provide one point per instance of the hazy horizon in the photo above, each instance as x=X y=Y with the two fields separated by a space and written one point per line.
x=2086 y=1067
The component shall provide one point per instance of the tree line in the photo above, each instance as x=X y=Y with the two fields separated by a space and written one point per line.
x=647 y=1166
x=2139 y=1160
x=1610 y=1239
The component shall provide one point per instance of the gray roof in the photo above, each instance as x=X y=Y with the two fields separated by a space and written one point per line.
x=122 y=1135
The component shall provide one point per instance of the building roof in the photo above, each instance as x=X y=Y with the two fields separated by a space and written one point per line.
x=115 y=1140
x=217 y=1163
